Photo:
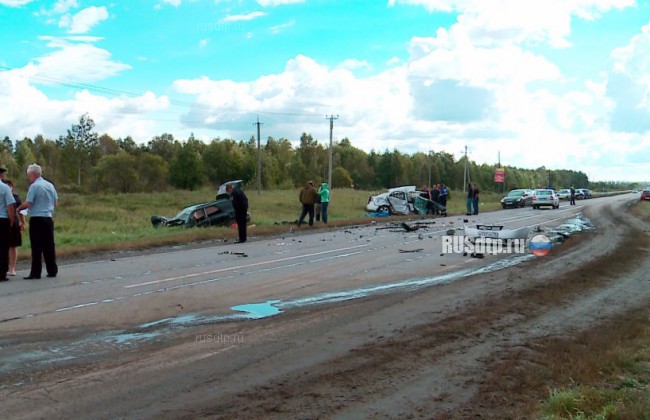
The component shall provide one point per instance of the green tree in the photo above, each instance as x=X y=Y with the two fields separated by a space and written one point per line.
x=187 y=170
x=83 y=142
x=117 y=172
x=341 y=178
x=153 y=172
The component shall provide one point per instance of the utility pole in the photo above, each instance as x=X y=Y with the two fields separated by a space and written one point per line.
x=259 y=157
x=329 y=176
x=430 y=163
x=466 y=179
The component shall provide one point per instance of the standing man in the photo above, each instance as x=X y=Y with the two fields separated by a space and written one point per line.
x=324 y=195
x=307 y=198
x=475 y=199
x=7 y=212
x=41 y=201
x=240 y=204
x=573 y=196
x=444 y=193
x=470 y=198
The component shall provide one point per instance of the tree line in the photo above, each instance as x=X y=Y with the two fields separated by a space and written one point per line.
x=85 y=162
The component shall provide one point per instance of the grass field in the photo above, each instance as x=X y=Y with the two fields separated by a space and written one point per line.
x=92 y=223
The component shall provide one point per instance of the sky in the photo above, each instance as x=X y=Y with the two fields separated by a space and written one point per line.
x=563 y=84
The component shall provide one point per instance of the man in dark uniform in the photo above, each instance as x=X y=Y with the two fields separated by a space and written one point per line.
x=240 y=204
x=573 y=196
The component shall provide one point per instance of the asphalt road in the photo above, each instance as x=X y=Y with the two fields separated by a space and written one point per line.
x=300 y=265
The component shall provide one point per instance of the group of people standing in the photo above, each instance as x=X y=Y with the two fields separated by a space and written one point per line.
x=472 y=199
x=438 y=195
x=315 y=202
x=41 y=200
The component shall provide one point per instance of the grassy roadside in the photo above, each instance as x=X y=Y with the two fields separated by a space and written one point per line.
x=101 y=222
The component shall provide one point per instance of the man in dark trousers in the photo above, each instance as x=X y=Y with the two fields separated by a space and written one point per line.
x=240 y=204
x=307 y=198
x=41 y=200
x=573 y=196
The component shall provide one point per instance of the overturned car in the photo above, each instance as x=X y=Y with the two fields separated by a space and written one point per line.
x=219 y=212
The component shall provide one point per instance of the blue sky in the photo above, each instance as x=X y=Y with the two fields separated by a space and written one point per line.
x=555 y=83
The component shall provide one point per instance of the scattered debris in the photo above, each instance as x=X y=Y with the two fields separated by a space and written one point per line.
x=411 y=250
x=409 y=228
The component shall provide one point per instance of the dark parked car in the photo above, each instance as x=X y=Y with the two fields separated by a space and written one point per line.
x=517 y=198
x=213 y=213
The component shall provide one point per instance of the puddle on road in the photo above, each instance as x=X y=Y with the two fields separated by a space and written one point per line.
x=258 y=310
x=97 y=344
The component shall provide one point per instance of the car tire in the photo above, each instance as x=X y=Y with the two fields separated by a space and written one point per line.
x=383 y=209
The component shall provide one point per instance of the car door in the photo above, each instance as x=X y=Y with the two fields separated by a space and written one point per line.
x=399 y=202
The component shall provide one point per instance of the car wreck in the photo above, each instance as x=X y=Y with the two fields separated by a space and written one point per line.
x=403 y=200
x=219 y=212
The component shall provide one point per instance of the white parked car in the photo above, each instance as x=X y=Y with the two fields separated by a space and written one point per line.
x=564 y=194
x=542 y=197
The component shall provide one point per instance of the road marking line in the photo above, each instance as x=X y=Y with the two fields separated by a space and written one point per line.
x=130 y=286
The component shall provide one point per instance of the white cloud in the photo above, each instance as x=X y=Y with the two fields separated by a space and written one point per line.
x=353 y=64
x=63 y=6
x=84 y=20
x=497 y=21
x=279 y=28
x=203 y=43
x=174 y=3
x=118 y=117
x=628 y=84
x=272 y=3
x=240 y=18
x=15 y=3
x=77 y=61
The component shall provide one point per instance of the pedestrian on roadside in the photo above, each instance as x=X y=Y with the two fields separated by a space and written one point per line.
x=317 y=206
x=7 y=212
x=444 y=193
x=435 y=199
x=324 y=197
x=307 y=198
x=475 y=199
x=41 y=200
x=573 y=196
x=240 y=205
x=15 y=235
x=470 y=198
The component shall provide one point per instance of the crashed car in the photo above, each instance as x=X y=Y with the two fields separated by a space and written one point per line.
x=398 y=200
x=219 y=212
